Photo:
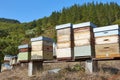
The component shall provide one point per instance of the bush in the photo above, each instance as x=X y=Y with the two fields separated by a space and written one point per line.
x=76 y=67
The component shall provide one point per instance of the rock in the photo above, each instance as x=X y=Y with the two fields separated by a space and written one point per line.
x=54 y=71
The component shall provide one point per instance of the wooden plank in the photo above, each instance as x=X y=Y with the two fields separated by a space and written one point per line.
x=91 y=66
x=63 y=38
x=107 y=39
x=37 y=48
x=47 y=55
x=25 y=50
x=47 y=43
x=82 y=42
x=83 y=51
x=114 y=55
x=48 y=48
x=39 y=43
x=34 y=67
x=105 y=50
x=65 y=31
x=24 y=56
x=64 y=45
x=81 y=29
x=0 y=65
x=36 y=55
x=84 y=35
x=64 y=53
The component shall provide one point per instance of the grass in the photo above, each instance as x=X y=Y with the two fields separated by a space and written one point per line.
x=108 y=70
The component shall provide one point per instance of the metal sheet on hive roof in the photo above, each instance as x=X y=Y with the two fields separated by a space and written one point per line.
x=41 y=38
x=106 y=28
x=23 y=46
x=85 y=24
x=68 y=25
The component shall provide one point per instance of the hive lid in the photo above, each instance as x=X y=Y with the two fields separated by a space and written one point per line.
x=68 y=25
x=85 y=24
x=106 y=28
x=23 y=46
x=41 y=38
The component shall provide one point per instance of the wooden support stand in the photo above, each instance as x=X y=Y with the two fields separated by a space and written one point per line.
x=0 y=66
x=91 y=66
x=34 y=67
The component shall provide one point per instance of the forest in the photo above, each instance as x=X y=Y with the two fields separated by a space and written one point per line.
x=14 y=33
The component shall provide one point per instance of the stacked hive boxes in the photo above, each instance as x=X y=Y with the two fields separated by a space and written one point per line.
x=64 y=42
x=24 y=53
x=7 y=58
x=107 y=41
x=42 y=48
x=83 y=40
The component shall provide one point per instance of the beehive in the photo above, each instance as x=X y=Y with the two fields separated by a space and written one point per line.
x=7 y=58
x=107 y=41
x=42 y=48
x=24 y=53
x=65 y=45
x=83 y=40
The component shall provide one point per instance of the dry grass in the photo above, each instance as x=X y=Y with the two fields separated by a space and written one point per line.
x=109 y=70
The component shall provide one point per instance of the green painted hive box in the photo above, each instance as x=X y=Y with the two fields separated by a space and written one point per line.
x=24 y=56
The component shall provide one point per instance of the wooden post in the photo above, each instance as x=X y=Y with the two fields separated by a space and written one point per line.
x=0 y=65
x=34 y=67
x=91 y=66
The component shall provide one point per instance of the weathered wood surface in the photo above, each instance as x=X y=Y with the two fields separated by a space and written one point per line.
x=36 y=55
x=37 y=43
x=34 y=67
x=63 y=38
x=37 y=48
x=107 y=39
x=24 y=56
x=42 y=48
x=64 y=53
x=107 y=50
x=64 y=45
x=25 y=50
x=82 y=29
x=82 y=42
x=65 y=31
x=40 y=43
x=47 y=55
x=83 y=35
x=41 y=55
x=91 y=66
x=83 y=51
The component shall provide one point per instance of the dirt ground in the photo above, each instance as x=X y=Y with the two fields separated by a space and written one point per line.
x=108 y=70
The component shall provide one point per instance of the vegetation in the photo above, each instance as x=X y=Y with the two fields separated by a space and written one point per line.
x=14 y=33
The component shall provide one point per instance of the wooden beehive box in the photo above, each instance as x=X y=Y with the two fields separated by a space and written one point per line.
x=107 y=50
x=64 y=42
x=84 y=39
x=24 y=53
x=106 y=31
x=7 y=58
x=24 y=56
x=42 y=48
x=107 y=41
